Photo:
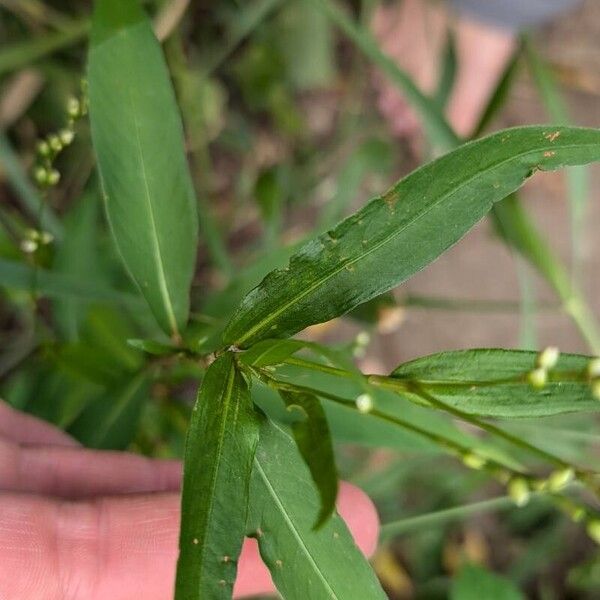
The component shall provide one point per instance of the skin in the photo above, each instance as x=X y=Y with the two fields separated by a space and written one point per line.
x=413 y=33
x=78 y=524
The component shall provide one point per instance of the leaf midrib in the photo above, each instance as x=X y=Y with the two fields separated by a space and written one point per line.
x=290 y=523
x=226 y=403
x=156 y=247
x=344 y=264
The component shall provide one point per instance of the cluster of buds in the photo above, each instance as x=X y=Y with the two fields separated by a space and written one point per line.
x=33 y=239
x=361 y=342
x=50 y=147
x=546 y=361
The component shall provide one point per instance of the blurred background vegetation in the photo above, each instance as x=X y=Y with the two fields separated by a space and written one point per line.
x=284 y=139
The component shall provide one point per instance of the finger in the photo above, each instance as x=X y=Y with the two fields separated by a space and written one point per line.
x=26 y=429
x=120 y=548
x=80 y=473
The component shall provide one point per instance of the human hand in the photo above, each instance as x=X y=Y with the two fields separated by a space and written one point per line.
x=413 y=33
x=78 y=524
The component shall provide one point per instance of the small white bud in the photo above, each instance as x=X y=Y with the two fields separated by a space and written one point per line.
x=73 y=107
x=29 y=246
x=518 y=490
x=46 y=238
x=548 y=358
x=43 y=148
x=363 y=339
x=40 y=175
x=593 y=368
x=559 y=479
x=364 y=403
x=474 y=461
x=538 y=378
x=53 y=177
x=593 y=529
x=31 y=234
x=66 y=136
x=55 y=143
x=595 y=385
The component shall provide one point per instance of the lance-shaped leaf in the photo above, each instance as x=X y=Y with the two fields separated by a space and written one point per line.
x=138 y=139
x=304 y=562
x=494 y=383
x=312 y=436
x=218 y=461
x=397 y=234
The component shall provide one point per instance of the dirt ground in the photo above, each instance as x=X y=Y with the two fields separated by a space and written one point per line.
x=480 y=267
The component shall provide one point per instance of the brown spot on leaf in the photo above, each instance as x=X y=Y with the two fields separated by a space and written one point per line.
x=549 y=154
x=552 y=136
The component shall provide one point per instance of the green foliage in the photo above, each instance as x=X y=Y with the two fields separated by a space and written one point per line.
x=494 y=383
x=138 y=140
x=304 y=562
x=400 y=232
x=474 y=583
x=220 y=448
x=312 y=436
x=265 y=437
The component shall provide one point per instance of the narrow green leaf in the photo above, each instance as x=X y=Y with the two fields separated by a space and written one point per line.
x=138 y=139
x=18 y=276
x=220 y=447
x=312 y=436
x=271 y=352
x=111 y=420
x=304 y=563
x=493 y=382
x=399 y=233
x=35 y=47
x=475 y=583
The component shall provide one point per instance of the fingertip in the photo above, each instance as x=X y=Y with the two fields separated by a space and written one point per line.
x=360 y=514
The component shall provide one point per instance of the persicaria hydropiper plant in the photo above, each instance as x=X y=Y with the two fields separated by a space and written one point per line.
x=259 y=455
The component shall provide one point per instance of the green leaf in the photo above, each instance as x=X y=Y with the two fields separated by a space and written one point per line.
x=399 y=233
x=58 y=285
x=111 y=421
x=314 y=442
x=475 y=583
x=271 y=352
x=493 y=382
x=304 y=563
x=220 y=446
x=138 y=139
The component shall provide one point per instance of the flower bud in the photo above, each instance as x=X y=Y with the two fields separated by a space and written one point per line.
x=593 y=529
x=40 y=174
x=73 y=107
x=66 y=136
x=43 y=148
x=53 y=177
x=518 y=490
x=29 y=246
x=559 y=479
x=364 y=403
x=538 y=378
x=548 y=358
x=55 y=143
x=473 y=461
x=593 y=368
